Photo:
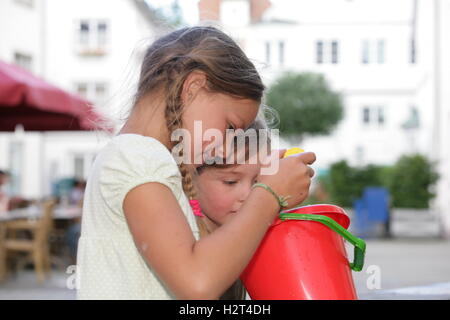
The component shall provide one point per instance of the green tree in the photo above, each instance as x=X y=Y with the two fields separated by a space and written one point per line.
x=410 y=181
x=305 y=104
x=339 y=185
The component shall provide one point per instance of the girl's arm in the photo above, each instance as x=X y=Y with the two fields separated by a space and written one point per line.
x=204 y=269
x=193 y=269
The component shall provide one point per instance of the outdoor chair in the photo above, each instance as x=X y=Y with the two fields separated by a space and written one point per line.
x=36 y=247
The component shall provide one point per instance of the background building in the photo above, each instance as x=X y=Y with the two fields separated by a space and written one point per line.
x=441 y=136
x=387 y=58
x=88 y=47
x=375 y=56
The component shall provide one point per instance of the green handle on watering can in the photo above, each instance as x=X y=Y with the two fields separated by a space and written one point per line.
x=359 y=244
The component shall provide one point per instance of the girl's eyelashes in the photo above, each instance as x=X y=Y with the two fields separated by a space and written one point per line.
x=229 y=182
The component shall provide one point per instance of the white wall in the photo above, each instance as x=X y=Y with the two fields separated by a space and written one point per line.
x=443 y=64
x=20 y=31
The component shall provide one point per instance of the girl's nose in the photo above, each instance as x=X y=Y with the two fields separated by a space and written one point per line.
x=244 y=192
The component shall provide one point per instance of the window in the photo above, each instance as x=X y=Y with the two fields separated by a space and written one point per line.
x=92 y=37
x=327 y=52
x=413 y=52
x=100 y=92
x=380 y=51
x=380 y=116
x=334 y=52
x=365 y=51
x=82 y=89
x=373 y=115
x=267 y=52
x=16 y=158
x=366 y=115
x=78 y=167
x=373 y=51
x=84 y=33
x=281 y=52
x=82 y=163
x=319 y=52
x=95 y=92
x=102 y=31
x=23 y=60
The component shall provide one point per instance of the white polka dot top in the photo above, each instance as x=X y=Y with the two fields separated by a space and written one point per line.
x=109 y=266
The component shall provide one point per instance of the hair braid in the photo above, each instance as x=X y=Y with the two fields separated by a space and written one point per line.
x=173 y=113
x=173 y=119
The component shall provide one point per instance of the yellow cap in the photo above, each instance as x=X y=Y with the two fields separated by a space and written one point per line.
x=292 y=151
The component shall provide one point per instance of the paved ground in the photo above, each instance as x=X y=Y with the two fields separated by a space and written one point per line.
x=409 y=269
x=24 y=287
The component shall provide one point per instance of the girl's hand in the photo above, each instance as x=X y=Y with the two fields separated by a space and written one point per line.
x=293 y=177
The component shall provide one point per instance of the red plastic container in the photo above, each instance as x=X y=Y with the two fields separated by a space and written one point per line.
x=303 y=260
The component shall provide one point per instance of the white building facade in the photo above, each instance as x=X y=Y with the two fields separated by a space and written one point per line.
x=365 y=52
x=21 y=26
x=442 y=105
x=88 y=47
x=381 y=55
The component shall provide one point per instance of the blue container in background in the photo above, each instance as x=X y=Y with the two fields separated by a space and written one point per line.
x=371 y=210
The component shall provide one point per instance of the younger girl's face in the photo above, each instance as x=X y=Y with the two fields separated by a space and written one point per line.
x=222 y=191
x=216 y=111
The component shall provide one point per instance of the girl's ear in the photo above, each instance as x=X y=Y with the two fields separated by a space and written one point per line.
x=194 y=82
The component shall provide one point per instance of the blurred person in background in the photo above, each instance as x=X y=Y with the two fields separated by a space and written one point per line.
x=73 y=232
x=7 y=201
x=77 y=193
x=4 y=198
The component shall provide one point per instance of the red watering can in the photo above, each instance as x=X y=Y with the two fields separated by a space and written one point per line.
x=303 y=257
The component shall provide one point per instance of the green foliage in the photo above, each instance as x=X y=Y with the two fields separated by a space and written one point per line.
x=305 y=104
x=408 y=181
x=345 y=184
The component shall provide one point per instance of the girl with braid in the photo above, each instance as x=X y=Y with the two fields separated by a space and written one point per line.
x=139 y=237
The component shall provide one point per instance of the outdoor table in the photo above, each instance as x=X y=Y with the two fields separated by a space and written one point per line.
x=34 y=212
x=65 y=215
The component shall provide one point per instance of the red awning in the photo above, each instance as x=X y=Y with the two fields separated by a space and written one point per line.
x=39 y=106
